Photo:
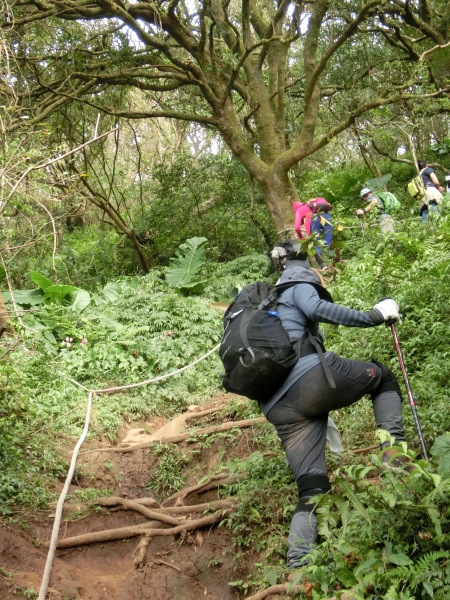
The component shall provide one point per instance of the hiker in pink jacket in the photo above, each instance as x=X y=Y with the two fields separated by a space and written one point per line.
x=314 y=216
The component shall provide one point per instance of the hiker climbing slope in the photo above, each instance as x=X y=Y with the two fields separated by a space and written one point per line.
x=319 y=384
x=314 y=215
x=383 y=203
x=433 y=190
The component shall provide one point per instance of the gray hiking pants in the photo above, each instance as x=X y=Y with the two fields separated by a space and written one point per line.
x=300 y=418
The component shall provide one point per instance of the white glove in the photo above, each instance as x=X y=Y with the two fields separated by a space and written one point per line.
x=389 y=310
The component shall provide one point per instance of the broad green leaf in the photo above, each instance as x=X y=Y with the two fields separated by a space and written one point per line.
x=82 y=300
x=58 y=292
x=2 y=274
x=34 y=324
x=346 y=577
x=41 y=280
x=366 y=565
x=112 y=291
x=271 y=576
x=348 y=185
x=190 y=256
x=378 y=183
x=440 y=450
x=193 y=288
x=27 y=297
x=400 y=559
x=49 y=337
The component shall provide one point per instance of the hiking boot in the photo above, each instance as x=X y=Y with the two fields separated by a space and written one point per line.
x=394 y=461
x=324 y=267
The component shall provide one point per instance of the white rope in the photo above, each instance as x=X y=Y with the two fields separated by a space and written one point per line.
x=59 y=506
x=160 y=378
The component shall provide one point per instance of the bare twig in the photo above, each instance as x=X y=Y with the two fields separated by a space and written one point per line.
x=10 y=349
x=363 y=450
x=54 y=231
x=47 y=163
x=438 y=47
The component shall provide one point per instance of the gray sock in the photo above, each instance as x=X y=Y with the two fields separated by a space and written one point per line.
x=387 y=408
x=302 y=538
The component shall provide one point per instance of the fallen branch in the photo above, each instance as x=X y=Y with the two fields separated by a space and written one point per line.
x=121 y=533
x=176 y=439
x=362 y=450
x=191 y=416
x=281 y=588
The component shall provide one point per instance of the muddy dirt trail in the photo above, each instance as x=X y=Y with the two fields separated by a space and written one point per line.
x=190 y=568
x=190 y=565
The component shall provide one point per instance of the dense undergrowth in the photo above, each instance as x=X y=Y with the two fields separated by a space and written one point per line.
x=389 y=542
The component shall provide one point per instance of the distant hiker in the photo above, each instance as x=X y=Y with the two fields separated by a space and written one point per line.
x=314 y=215
x=374 y=202
x=433 y=189
x=319 y=382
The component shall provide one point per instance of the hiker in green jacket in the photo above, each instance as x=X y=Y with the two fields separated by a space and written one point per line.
x=375 y=202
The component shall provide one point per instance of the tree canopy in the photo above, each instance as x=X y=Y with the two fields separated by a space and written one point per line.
x=277 y=81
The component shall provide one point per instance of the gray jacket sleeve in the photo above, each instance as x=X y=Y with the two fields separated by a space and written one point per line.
x=307 y=300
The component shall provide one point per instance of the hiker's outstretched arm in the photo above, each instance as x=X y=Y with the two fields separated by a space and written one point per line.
x=307 y=300
x=434 y=179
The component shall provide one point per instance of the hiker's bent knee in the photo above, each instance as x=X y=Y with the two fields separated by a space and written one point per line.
x=388 y=381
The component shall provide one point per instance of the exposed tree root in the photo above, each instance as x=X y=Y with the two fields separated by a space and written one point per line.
x=158 y=561
x=210 y=483
x=183 y=510
x=199 y=508
x=130 y=505
x=150 y=502
x=135 y=530
x=282 y=588
x=141 y=550
x=176 y=439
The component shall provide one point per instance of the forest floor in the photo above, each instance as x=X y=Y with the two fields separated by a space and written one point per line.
x=191 y=565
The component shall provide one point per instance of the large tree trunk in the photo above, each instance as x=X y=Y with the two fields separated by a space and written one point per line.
x=280 y=193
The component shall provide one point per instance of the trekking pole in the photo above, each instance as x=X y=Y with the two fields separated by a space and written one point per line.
x=362 y=228
x=412 y=404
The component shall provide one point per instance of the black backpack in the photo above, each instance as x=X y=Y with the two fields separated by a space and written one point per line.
x=255 y=349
